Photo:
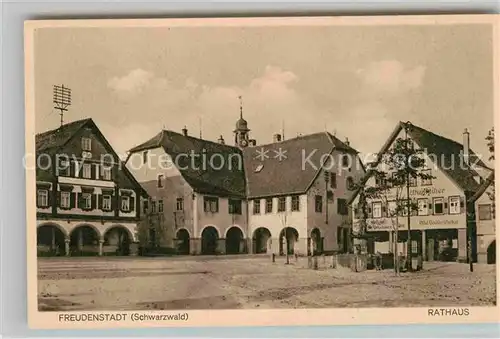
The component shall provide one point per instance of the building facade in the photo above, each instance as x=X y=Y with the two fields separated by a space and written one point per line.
x=439 y=227
x=87 y=202
x=289 y=196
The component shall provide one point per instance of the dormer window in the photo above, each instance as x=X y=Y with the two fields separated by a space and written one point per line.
x=86 y=144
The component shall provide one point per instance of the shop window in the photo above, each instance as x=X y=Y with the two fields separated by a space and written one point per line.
x=484 y=211
x=438 y=205
x=454 y=205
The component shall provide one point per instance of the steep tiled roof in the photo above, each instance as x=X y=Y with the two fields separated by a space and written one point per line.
x=59 y=136
x=270 y=175
x=484 y=186
x=226 y=181
x=257 y=177
x=54 y=140
x=447 y=154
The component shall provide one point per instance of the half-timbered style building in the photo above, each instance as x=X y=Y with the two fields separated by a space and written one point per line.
x=87 y=201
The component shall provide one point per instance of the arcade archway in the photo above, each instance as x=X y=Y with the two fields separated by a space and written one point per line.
x=288 y=237
x=183 y=238
x=491 y=253
x=84 y=241
x=117 y=241
x=50 y=240
x=209 y=239
x=261 y=237
x=235 y=241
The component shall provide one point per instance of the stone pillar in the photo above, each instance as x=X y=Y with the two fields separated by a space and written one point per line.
x=250 y=248
x=66 y=246
x=195 y=246
x=275 y=246
x=221 y=246
x=80 y=239
x=101 y=242
x=462 y=244
x=134 y=249
x=301 y=246
x=391 y=242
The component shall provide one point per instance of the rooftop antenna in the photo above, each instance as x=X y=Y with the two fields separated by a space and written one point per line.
x=283 y=129
x=61 y=99
x=241 y=106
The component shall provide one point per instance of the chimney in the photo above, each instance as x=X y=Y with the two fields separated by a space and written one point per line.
x=277 y=137
x=346 y=141
x=253 y=142
x=466 y=146
x=185 y=131
x=221 y=140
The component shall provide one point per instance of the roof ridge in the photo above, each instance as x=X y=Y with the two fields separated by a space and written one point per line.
x=63 y=126
x=200 y=139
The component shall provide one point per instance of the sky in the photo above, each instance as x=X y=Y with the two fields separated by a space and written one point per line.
x=354 y=81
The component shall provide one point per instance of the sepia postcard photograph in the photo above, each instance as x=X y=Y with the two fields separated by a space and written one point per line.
x=261 y=171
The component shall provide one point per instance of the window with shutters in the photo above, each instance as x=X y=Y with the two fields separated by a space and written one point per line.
x=423 y=206
x=484 y=211
x=125 y=205
x=412 y=181
x=180 y=204
x=438 y=205
x=87 y=171
x=377 y=209
x=256 y=206
x=160 y=205
x=64 y=168
x=65 y=200
x=211 y=204
x=86 y=202
x=153 y=206
x=106 y=172
x=281 y=204
x=295 y=203
x=454 y=205
x=86 y=144
x=106 y=202
x=269 y=205
x=318 y=204
x=43 y=198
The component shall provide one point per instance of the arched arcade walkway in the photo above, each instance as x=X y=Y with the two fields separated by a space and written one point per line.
x=209 y=239
x=288 y=237
x=261 y=237
x=235 y=241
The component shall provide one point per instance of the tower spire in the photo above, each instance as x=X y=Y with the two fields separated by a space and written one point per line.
x=241 y=106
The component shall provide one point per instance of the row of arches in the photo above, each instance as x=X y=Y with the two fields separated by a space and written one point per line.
x=52 y=239
x=234 y=242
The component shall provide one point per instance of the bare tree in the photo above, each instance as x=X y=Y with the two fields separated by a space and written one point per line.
x=490 y=142
x=398 y=168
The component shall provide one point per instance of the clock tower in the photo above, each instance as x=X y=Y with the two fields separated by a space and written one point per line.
x=241 y=132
